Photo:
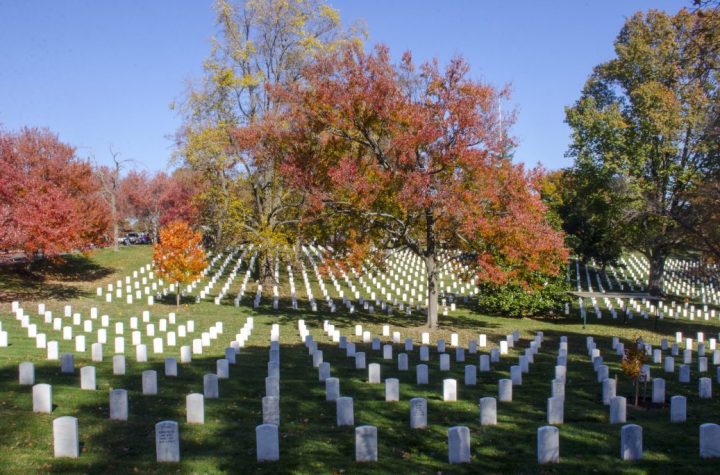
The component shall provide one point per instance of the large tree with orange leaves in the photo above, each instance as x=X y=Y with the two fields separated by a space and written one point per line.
x=179 y=256
x=396 y=156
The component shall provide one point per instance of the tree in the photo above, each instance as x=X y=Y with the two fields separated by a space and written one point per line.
x=110 y=178
x=632 y=363
x=643 y=119
x=231 y=119
x=588 y=204
x=398 y=158
x=155 y=200
x=179 y=197
x=49 y=202
x=179 y=256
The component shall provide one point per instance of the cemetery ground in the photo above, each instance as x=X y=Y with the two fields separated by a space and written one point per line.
x=309 y=439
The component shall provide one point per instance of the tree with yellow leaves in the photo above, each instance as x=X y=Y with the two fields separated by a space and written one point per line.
x=179 y=256
x=632 y=364
x=231 y=120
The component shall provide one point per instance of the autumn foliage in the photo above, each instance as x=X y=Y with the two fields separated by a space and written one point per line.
x=49 y=202
x=400 y=156
x=153 y=200
x=179 y=256
x=632 y=364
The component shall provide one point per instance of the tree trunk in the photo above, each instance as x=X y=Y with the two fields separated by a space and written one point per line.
x=266 y=272
x=431 y=268
x=637 y=390
x=432 y=292
x=116 y=230
x=657 y=268
x=177 y=295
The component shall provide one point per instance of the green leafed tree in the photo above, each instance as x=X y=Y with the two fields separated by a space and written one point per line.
x=641 y=128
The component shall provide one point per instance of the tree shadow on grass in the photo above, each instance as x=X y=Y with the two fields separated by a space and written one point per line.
x=49 y=280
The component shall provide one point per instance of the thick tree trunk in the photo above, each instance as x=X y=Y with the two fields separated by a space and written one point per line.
x=657 y=268
x=432 y=292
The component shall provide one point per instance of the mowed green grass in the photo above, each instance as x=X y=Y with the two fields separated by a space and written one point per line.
x=309 y=440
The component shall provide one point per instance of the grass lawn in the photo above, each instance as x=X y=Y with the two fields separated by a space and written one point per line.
x=309 y=440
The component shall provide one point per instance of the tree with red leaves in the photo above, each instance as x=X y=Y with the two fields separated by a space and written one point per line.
x=49 y=201
x=399 y=157
x=153 y=200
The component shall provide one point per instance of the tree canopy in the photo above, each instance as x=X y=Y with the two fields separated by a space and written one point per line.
x=406 y=157
x=231 y=119
x=642 y=123
x=49 y=201
x=179 y=256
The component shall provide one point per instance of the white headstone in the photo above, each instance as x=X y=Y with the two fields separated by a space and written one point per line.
x=609 y=388
x=66 y=439
x=557 y=388
x=272 y=386
x=618 y=410
x=459 y=444
x=631 y=443
x=516 y=375
x=222 y=368
x=211 y=389
x=705 y=388
x=684 y=376
x=505 y=390
x=484 y=363
x=709 y=441
x=402 y=362
x=171 y=367
x=678 y=409
x=119 y=365
x=87 y=378
x=149 y=382
x=444 y=362
x=141 y=354
x=658 y=391
x=42 y=398
x=268 y=444
x=548 y=445
x=332 y=389
x=271 y=410
x=26 y=376
x=418 y=413
x=555 y=410
x=167 y=441
x=360 y=360
x=195 y=408
x=345 y=413
x=185 y=355
x=118 y=405
x=669 y=364
x=392 y=389
x=67 y=363
x=470 y=375
x=488 y=411
x=97 y=352
x=366 y=444
x=422 y=374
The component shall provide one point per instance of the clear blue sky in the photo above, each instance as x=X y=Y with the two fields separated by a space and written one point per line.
x=102 y=73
